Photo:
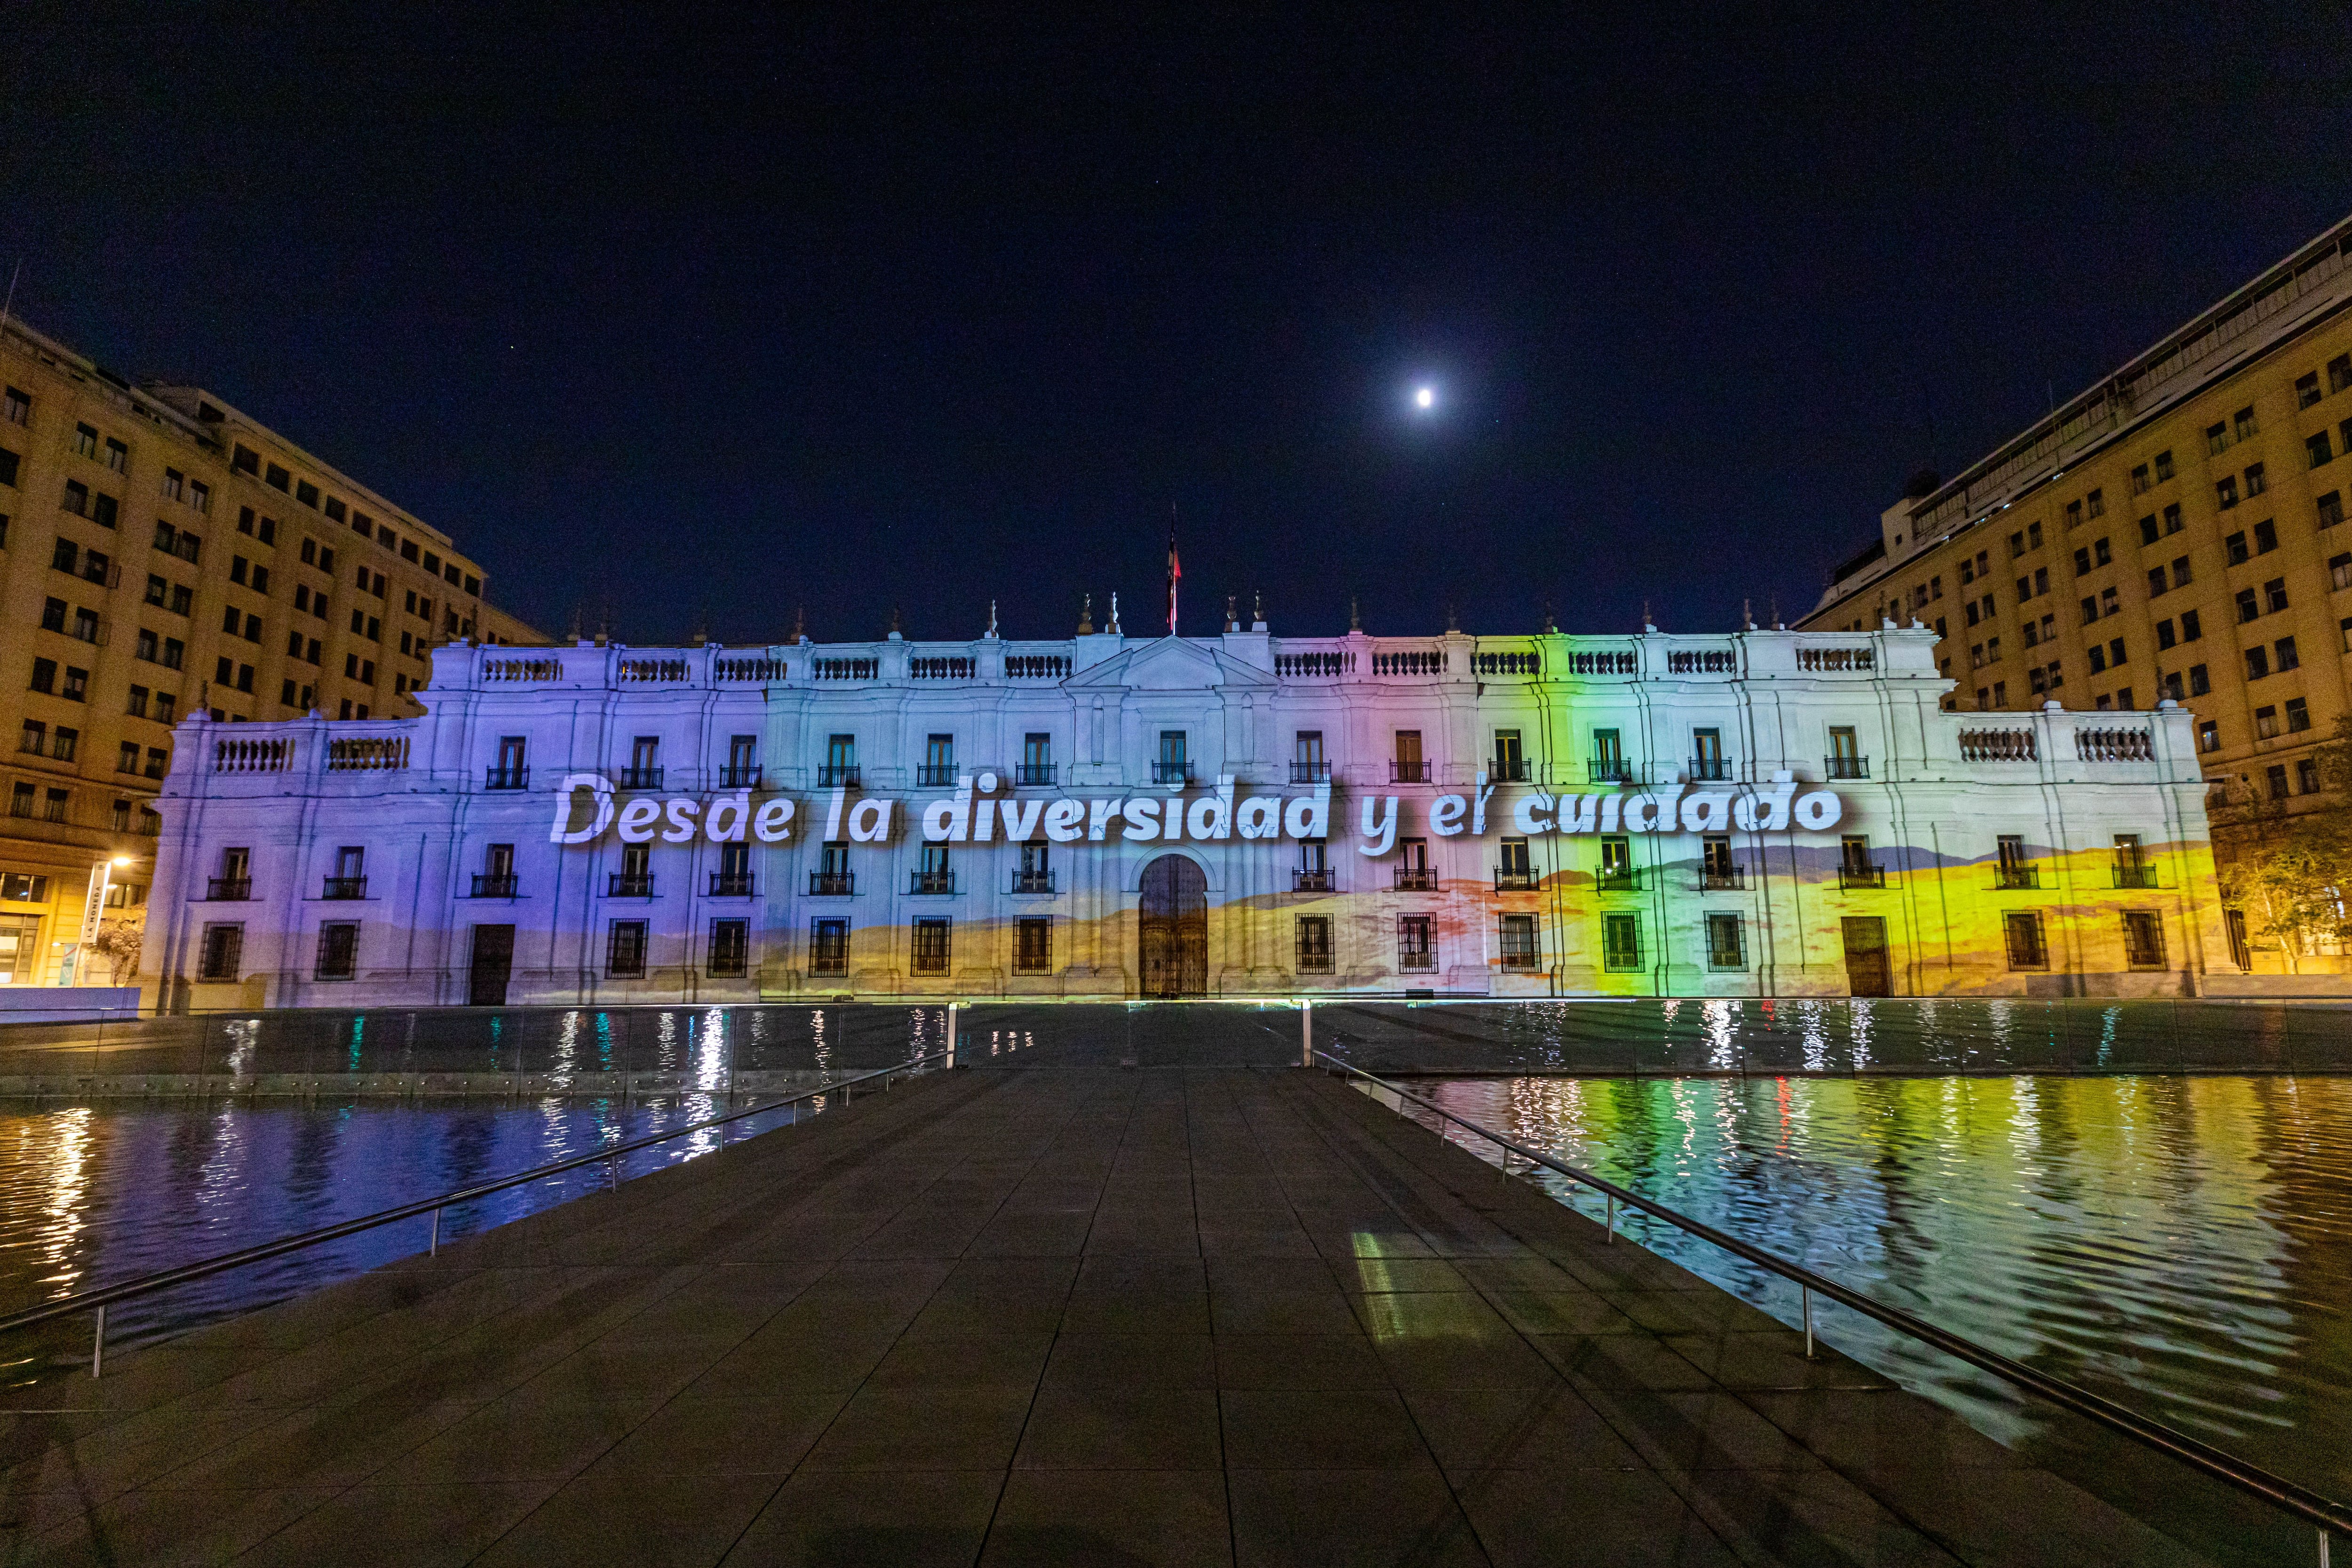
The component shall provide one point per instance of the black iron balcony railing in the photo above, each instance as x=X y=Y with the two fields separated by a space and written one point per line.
x=345 y=888
x=2015 y=878
x=730 y=884
x=1710 y=768
x=1167 y=772
x=1617 y=879
x=1851 y=875
x=1722 y=878
x=2131 y=875
x=641 y=778
x=838 y=776
x=228 y=890
x=1415 y=879
x=1033 y=773
x=832 y=884
x=1033 y=882
x=1846 y=767
x=930 y=884
x=934 y=775
x=1515 y=879
x=1309 y=773
x=1311 y=881
x=516 y=777
x=1408 y=770
x=745 y=775
x=1609 y=770
x=495 y=885
x=629 y=885
x=1507 y=770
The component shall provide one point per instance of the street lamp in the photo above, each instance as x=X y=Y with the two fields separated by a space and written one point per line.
x=93 y=911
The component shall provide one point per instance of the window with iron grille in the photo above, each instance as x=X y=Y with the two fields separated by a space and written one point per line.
x=624 y=951
x=222 y=953
x=829 y=947
x=1517 y=942
x=2143 y=939
x=1032 y=947
x=1416 y=942
x=1726 y=947
x=2022 y=928
x=1621 y=942
x=1313 y=944
x=339 y=950
x=731 y=948
x=931 y=947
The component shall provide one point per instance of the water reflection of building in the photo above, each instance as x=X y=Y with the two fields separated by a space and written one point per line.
x=1762 y=813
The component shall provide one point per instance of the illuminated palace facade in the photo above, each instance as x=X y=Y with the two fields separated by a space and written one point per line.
x=1759 y=814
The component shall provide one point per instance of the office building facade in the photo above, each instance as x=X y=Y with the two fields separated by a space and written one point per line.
x=1762 y=814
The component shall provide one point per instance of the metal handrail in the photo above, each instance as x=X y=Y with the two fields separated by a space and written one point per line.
x=163 y=1279
x=2325 y=1513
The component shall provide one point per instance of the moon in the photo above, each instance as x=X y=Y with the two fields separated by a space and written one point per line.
x=1424 y=398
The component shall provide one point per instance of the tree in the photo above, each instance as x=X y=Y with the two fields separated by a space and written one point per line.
x=120 y=940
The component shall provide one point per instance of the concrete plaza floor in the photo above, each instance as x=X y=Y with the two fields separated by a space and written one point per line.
x=1053 y=1315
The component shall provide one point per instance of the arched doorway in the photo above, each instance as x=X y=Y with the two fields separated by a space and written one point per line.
x=1173 y=934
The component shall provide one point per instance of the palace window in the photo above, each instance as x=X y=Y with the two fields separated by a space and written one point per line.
x=1313 y=944
x=1516 y=941
x=2021 y=929
x=1621 y=942
x=930 y=949
x=829 y=947
x=1725 y=945
x=1032 y=946
x=1416 y=943
x=339 y=948
x=221 y=951
x=731 y=948
x=624 y=951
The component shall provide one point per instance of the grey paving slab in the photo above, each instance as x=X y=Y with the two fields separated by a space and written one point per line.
x=1168 y=1315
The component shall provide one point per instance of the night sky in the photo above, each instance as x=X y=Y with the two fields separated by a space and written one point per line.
x=716 y=316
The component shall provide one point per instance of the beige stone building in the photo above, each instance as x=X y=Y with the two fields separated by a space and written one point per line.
x=161 y=552
x=2176 y=532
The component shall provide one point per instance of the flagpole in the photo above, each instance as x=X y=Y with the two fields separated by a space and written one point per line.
x=1175 y=571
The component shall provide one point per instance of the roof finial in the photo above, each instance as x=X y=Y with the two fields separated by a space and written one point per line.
x=992 y=617
x=1114 y=613
x=1549 y=626
x=800 y=623
x=1355 y=617
x=1646 y=617
x=1087 y=616
x=896 y=635
x=1232 y=621
x=1257 y=611
x=1452 y=618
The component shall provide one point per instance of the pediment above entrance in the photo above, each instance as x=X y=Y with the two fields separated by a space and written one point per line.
x=1170 y=664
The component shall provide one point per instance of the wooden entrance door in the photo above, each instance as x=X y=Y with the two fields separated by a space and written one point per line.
x=1868 y=969
x=493 y=962
x=1173 y=929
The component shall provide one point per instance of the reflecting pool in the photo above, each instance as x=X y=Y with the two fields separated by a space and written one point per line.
x=2181 y=1244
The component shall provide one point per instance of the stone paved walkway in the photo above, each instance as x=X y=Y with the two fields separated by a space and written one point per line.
x=1172 y=1316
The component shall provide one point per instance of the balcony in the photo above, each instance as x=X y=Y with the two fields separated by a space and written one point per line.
x=1846 y=767
x=1310 y=772
x=1617 y=879
x=730 y=884
x=1516 y=879
x=228 y=890
x=1318 y=881
x=1722 y=878
x=1851 y=875
x=1507 y=770
x=345 y=888
x=641 y=778
x=495 y=885
x=930 y=884
x=1033 y=773
x=837 y=775
x=934 y=775
x=739 y=777
x=1033 y=882
x=629 y=885
x=1609 y=770
x=1408 y=770
x=1710 y=769
x=2016 y=878
x=516 y=777
x=832 y=884
x=1167 y=772
x=1415 y=879
x=2141 y=876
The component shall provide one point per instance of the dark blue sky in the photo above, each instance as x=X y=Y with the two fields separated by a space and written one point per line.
x=729 y=313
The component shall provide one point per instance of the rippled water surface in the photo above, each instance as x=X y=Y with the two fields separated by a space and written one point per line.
x=2182 y=1245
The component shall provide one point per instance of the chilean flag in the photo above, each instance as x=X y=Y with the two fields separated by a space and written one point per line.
x=1175 y=572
